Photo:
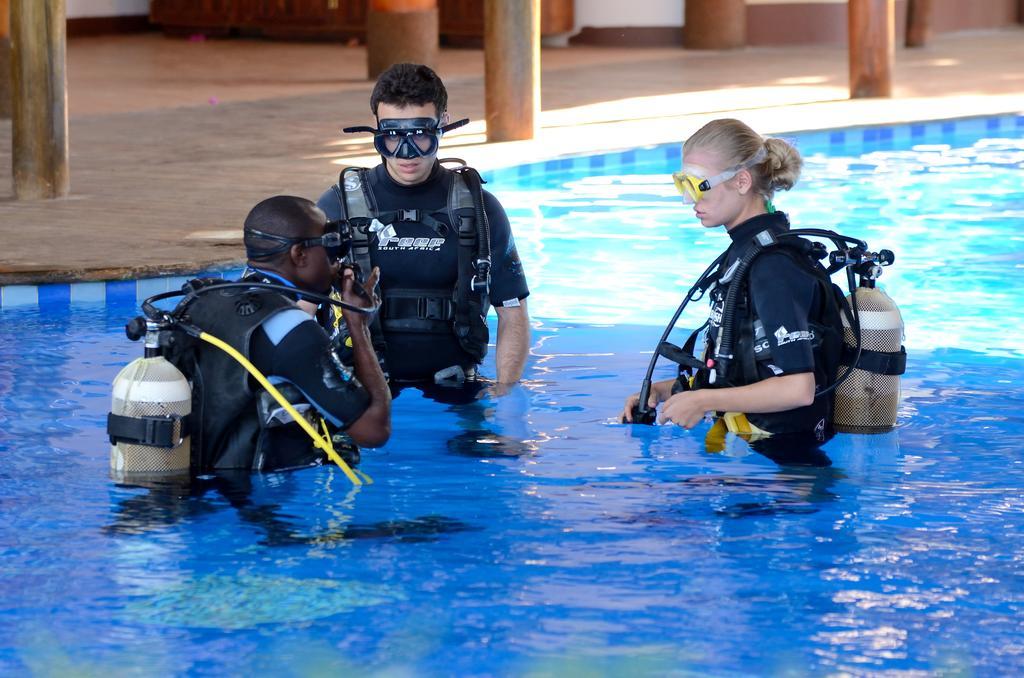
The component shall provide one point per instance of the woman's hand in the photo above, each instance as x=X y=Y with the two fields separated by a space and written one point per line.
x=686 y=409
x=660 y=390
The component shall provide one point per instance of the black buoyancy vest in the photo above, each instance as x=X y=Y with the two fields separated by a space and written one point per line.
x=223 y=400
x=462 y=311
x=825 y=321
x=752 y=348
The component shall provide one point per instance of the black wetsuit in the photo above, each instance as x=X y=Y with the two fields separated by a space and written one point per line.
x=788 y=300
x=291 y=349
x=418 y=257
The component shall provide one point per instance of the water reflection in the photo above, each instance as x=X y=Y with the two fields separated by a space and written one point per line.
x=171 y=501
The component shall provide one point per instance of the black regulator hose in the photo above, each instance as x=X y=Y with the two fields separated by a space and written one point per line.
x=642 y=414
x=482 y=265
x=155 y=313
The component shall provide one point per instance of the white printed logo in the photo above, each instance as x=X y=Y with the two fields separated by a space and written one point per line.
x=393 y=242
x=784 y=336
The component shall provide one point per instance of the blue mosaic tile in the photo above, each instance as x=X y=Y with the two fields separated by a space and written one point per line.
x=971 y=126
x=524 y=171
x=901 y=135
x=993 y=125
x=649 y=155
x=948 y=128
x=147 y=287
x=1019 y=122
x=54 y=295
x=837 y=138
x=917 y=132
x=674 y=153
x=596 y=162
x=175 y=283
x=88 y=291
x=812 y=142
x=19 y=295
x=627 y=159
x=121 y=291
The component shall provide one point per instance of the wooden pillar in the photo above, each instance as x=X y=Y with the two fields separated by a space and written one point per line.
x=919 y=23
x=715 y=24
x=512 y=68
x=400 y=31
x=5 y=60
x=872 y=47
x=39 y=111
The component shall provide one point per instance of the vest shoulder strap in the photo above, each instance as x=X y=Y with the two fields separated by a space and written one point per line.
x=359 y=208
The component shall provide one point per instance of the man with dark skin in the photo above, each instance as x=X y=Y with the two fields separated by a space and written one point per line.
x=285 y=239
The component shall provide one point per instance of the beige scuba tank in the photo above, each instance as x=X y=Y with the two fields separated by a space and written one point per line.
x=868 y=400
x=148 y=423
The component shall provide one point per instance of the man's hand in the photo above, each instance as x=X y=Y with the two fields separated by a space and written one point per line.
x=358 y=295
x=374 y=426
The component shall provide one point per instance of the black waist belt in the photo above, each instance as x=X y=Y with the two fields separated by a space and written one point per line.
x=165 y=431
x=415 y=311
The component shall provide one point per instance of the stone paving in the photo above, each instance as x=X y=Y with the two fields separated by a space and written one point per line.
x=173 y=141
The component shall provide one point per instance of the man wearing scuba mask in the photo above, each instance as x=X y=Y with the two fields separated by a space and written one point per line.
x=774 y=384
x=443 y=245
x=288 y=242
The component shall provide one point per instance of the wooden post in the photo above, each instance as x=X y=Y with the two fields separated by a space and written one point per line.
x=872 y=47
x=400 y=31
x=512 y=68
x=919 y=19
x=40 y=115
x=5 y=59
x=715 y=24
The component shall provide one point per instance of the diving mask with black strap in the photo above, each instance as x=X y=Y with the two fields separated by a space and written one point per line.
x=407 y=138
x=336 y=240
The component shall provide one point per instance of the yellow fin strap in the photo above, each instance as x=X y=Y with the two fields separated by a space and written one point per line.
x=323 y=443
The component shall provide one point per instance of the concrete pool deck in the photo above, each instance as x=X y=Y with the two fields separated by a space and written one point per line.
x=173 y=141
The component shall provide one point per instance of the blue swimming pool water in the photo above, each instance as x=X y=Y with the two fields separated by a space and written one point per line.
x=530 y=534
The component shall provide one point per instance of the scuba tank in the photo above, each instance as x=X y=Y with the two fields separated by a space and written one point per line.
x=151 y=417
x=150 y=412
x=868 y=398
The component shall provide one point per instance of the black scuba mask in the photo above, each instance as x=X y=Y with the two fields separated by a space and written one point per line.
x=407 y=138
x=336 y=240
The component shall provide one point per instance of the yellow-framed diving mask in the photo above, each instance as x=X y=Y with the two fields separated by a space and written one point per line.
x=693 y=187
